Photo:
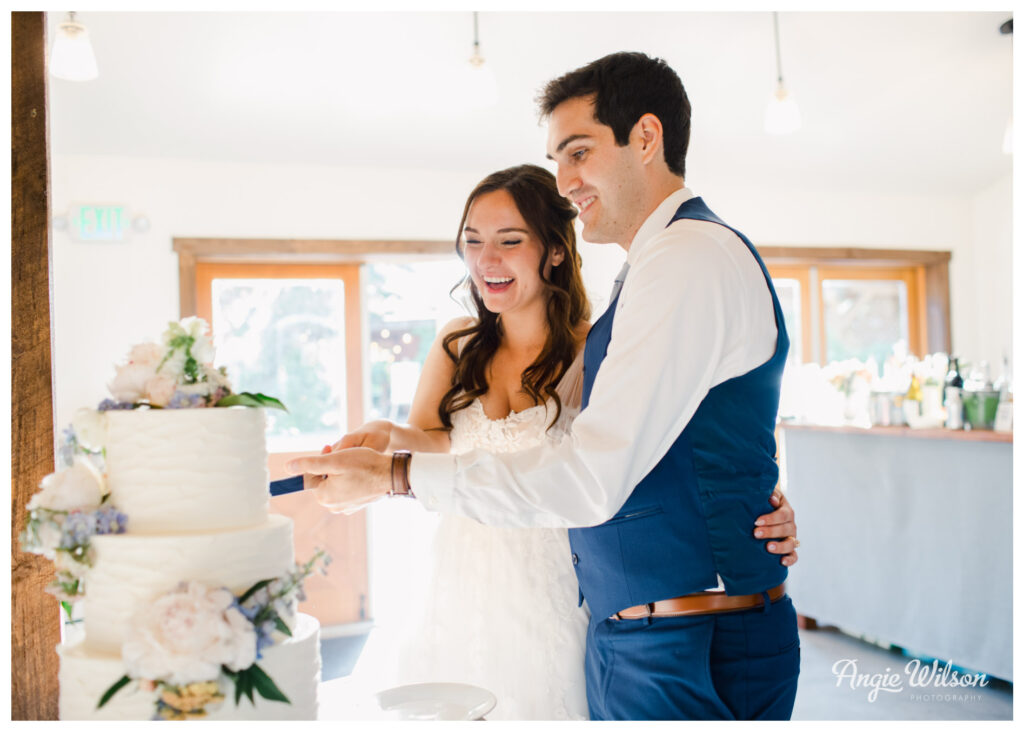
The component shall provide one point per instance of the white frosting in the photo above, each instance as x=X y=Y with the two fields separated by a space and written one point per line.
x=85 y=674
x=130 y=571
x=188 y=469
x=193 y=484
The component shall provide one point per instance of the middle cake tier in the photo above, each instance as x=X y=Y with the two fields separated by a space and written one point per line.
x=130 y=571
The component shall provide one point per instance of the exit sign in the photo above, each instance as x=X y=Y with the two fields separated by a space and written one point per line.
x=100 y=223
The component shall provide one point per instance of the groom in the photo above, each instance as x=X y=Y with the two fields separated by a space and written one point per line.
x=671 y=460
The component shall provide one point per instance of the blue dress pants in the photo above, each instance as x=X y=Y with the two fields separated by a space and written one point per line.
x=737 y=665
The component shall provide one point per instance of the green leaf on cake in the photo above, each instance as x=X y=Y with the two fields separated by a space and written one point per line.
x=265 y=685
x=249 y=399
x=253 y=590
x=118 y=685
x=282 y=626
x=248 y=687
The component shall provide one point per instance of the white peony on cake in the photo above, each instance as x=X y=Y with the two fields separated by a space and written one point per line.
x=187 y=584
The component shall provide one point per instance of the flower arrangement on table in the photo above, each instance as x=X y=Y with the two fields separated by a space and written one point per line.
x=194 y=641
x=73 y=504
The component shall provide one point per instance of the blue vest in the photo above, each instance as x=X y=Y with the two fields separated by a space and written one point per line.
x=692 y=516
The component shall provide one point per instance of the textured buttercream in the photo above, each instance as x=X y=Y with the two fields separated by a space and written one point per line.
x=179 y=470
x=130 y=571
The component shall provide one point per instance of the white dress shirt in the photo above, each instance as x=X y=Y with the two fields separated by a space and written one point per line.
x=694 y=311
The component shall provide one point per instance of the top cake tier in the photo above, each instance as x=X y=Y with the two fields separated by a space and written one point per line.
x=179 y=470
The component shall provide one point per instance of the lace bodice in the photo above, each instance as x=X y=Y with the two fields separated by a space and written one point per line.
x=472 y=428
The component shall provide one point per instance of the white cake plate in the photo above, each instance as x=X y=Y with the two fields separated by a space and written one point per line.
x=437 y=701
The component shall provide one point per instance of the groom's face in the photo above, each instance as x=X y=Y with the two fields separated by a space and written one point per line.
x=596 y=174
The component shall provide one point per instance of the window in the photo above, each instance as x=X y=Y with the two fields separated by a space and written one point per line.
x=866 y=311
x=291 y=331
x=858 y=303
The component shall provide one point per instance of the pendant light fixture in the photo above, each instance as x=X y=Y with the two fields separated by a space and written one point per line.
x=1007 y=30
x=482 y=86
x=71 y=55
x=782 y=116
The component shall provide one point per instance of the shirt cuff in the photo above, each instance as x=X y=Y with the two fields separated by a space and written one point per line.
x=432 y=478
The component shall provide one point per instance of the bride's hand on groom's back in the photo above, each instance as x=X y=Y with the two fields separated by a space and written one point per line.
x=779 y=524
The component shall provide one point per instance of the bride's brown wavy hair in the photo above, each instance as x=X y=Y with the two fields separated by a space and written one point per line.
x=549 y=217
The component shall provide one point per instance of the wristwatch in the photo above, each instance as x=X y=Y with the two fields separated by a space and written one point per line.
x=400 y=474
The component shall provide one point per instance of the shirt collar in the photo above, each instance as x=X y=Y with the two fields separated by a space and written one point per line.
x=657 y=221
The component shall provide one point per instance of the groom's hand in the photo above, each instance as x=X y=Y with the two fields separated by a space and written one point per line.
x=347 y=480
x=779 y=524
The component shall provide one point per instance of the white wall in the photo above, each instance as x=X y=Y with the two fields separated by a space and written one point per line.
x=982 y=324
x=111 y=295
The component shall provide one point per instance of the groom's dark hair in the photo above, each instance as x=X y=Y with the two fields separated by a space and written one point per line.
x=626 y=86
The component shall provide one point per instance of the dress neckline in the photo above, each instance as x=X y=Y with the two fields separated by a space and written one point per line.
x=513 y=414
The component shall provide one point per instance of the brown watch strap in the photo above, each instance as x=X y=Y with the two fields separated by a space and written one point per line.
x=400 y=460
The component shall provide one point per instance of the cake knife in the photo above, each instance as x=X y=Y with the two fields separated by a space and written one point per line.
x=286 y=485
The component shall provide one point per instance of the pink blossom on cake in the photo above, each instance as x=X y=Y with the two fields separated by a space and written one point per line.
x=187 y=635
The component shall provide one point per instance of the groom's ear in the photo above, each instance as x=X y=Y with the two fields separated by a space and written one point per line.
x=648 y=132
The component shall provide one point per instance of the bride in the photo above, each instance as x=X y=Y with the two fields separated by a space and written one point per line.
x=502 y=609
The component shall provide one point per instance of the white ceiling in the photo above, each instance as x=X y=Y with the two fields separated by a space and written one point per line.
x=902 y=102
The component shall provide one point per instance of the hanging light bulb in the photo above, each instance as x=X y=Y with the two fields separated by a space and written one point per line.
x=782 y=116
x=71 y=55
x=1007 y=30
x=482 y=87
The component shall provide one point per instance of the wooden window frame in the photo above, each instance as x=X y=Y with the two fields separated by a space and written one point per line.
x=192 y=250
x=911 y=277
x=206 y=272
x=929 y=286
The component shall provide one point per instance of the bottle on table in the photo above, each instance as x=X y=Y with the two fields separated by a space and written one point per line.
x=1004 y=412
x=954 y=396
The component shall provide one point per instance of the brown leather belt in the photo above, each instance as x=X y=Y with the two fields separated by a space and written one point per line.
x=699 y=603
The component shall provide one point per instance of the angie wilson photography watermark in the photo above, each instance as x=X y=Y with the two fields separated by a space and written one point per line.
x=929 y=682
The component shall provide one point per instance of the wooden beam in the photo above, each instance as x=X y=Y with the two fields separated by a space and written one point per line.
x=187 y=283
x=937 y=308
x=35 y=615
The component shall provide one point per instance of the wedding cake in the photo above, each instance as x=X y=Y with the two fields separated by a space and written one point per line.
x=188 y=585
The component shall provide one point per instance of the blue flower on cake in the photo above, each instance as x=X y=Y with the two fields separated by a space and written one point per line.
x=63 y=516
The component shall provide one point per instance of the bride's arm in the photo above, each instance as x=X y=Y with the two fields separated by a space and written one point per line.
x=424 y=432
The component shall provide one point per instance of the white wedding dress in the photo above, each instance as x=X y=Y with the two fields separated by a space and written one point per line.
x=501 y=605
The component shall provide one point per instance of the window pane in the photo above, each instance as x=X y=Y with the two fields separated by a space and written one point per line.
x=408 y=304
x=286 y=338
x=788 y=291
x=864 y=318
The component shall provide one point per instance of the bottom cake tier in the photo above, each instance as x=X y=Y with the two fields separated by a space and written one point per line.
x=294 y=665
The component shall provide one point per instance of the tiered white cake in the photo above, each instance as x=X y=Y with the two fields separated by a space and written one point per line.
x=193 y=485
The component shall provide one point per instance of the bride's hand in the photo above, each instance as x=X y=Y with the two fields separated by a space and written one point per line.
x=375 y=435
x=779 y=524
